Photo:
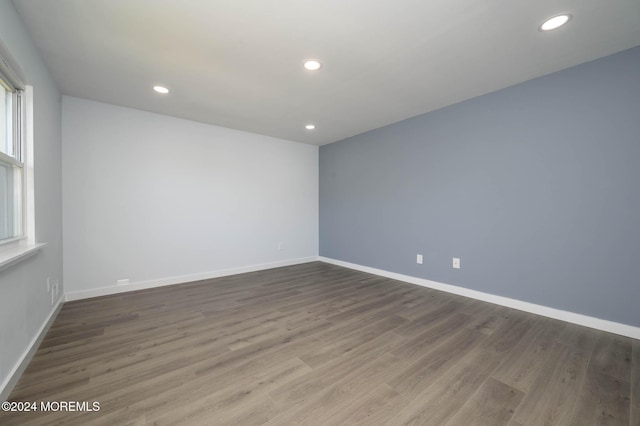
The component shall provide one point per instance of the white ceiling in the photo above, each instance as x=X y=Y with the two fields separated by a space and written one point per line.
x=238 y=63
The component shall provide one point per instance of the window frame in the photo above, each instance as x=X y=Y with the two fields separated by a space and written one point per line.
x=15 y=250
x=16 y=160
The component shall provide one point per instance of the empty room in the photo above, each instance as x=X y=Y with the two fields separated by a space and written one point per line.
x=297 y=212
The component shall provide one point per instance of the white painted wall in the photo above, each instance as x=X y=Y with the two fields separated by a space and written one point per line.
x=149 y=197
x=25 y=304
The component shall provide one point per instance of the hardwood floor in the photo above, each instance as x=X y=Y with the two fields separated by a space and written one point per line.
x=317 y=344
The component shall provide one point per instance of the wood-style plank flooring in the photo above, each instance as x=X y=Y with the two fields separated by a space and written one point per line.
x=317 y=344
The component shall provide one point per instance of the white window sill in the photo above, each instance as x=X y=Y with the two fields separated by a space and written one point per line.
x=14 y=253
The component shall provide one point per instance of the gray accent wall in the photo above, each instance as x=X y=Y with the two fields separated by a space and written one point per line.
x=535 y=187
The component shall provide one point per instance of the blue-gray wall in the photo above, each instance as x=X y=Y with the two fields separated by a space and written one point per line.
x=535 y=187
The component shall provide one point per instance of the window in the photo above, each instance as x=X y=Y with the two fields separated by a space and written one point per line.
x=11 y=159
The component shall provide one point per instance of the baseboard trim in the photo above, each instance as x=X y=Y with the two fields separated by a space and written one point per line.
x=143 y=285
x=584 y=320
x=14 y=375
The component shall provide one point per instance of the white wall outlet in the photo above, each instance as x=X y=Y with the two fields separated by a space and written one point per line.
x=456 y=263
x=280 y=245
x=54 y=292
x=419 y=259
x=123 y=281
x=48 y=284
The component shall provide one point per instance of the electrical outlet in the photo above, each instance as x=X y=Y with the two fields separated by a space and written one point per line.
x=123 y=281
x=54 y=292
x=280 y=245
x=456 y=263
x=53 y=287
x=419 y=259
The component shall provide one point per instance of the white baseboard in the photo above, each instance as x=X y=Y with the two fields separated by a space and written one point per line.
x=12 y=378
x=587 y=321
x=609 y=326
x=142 y=285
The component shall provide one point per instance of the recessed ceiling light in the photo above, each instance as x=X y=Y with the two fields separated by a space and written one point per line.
x=310 y=126
x=312 y=65
x=161 y=89
x=554 y=22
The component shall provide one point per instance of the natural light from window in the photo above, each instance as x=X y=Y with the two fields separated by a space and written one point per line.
x=11 y=166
